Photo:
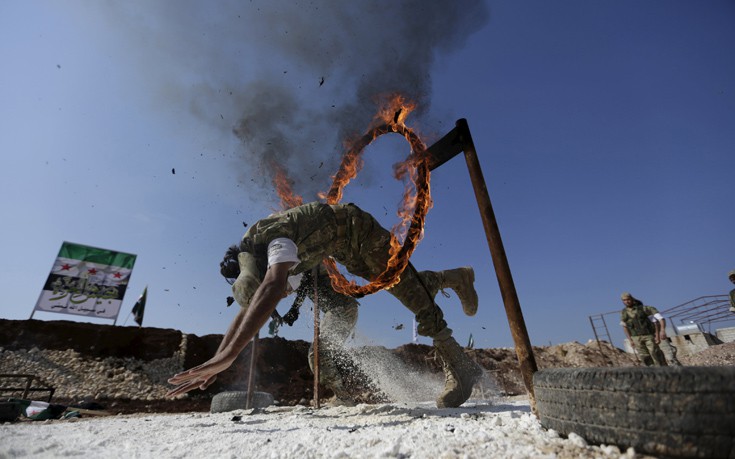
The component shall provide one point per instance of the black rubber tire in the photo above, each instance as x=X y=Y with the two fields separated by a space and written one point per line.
x=237 y=400
x=667 y=411
x=9 y=411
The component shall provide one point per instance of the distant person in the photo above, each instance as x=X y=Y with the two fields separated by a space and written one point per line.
x=731 y=276
x=641 y=331
x=291 y=242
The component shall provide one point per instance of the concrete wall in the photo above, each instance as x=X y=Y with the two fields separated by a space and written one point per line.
x=726 y=335
x=692 y=343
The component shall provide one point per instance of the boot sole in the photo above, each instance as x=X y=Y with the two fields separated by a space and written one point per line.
x=471 y=310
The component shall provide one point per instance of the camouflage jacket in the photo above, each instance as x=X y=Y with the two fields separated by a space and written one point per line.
x=636 y=319
x=312 y=227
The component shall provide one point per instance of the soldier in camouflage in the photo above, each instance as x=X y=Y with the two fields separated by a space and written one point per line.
x=645 y=328
x=289 y=243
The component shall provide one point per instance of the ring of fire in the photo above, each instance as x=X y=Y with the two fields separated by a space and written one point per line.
x=416 y=168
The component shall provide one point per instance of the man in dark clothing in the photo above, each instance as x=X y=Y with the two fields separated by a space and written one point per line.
x=289 y=243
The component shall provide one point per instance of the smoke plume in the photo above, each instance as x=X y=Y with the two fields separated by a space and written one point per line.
x=293 y=80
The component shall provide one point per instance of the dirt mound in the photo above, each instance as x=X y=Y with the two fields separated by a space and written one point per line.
x=723 y=354
x=125 y=368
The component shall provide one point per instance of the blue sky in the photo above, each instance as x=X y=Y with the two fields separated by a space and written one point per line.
x=604 y=130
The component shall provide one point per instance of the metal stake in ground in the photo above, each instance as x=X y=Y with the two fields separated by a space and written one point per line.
x=457 y=140
x=315 y=273
x=251 y=375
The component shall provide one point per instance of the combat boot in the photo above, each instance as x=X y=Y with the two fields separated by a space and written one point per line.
x=342 y=396
x=460 y=373
x=462 y=281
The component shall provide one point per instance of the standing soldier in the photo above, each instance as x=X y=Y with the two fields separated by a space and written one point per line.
x=641 y=331
x=731 y=276
x=294 y=241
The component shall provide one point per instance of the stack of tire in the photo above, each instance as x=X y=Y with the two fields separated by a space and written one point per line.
x=666 y=411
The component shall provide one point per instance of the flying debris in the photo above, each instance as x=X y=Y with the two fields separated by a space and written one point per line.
x=230 y=300
x=321 y=81
x=398 y=327
x=173 y=171
x=244 y=224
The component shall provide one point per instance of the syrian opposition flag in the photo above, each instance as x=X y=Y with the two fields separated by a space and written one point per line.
x=86 y=281
x=139 y=308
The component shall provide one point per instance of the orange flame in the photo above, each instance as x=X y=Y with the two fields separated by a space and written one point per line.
x=283 y=188
x=407 y=233
x=413 y=209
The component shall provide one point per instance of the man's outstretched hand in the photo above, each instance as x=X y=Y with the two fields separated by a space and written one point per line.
x=243 y=328
x=199 y=377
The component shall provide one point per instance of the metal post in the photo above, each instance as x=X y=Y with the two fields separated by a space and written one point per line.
x=315 y=273
x=524 y=351
x=251 y=376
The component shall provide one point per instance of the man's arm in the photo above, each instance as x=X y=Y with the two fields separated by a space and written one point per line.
x=661 y=321
x=243 y=328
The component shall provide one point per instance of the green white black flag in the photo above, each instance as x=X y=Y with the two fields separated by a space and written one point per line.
x=139 y=308
x=86 y=281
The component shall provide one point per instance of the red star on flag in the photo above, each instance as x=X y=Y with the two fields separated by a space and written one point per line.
x=117 y=275
x=92 y=271
x=66 y=267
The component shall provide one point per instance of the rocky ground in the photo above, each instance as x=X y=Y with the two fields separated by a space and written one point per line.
x=137 y=383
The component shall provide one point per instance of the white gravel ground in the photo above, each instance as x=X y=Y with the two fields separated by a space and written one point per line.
x=504 y=428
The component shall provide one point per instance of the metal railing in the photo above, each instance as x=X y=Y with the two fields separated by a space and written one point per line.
x=32 y=385
x=705 y=311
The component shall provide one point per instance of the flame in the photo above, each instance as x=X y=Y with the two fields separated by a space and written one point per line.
x=414 y=171
x=283 y=187
x=412 y=211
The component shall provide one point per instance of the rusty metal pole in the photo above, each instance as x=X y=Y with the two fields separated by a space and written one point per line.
x=524 y=351
x=251 y=375
x=315 y=346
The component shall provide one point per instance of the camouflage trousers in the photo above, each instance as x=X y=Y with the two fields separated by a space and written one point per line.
x=669 y=351
x=648 y=351
x=335 y=326
x=365 y=253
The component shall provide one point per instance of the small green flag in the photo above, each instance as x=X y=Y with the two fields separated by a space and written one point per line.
x=139 y=308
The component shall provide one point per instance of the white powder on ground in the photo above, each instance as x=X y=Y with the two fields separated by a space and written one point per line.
x=504 y=428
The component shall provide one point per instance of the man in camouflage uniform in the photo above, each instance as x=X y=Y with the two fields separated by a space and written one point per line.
x=340 y=317
x=645 y=328
x=294 y=241
x=731 y=276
